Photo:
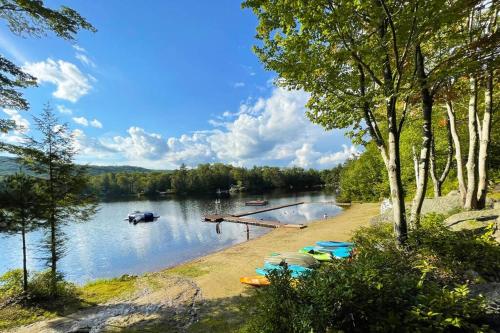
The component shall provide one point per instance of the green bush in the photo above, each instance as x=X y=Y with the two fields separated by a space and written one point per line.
x=39 y=286
x=11 y=283
x=420 y=288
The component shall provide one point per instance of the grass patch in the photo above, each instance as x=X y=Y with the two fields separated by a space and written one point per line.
x=494 y=196
x=17 y=315
x=104 y=290
x=220 y=316
x=189 y=270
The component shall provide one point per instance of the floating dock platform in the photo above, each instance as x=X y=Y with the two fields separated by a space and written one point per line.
x=238 y=218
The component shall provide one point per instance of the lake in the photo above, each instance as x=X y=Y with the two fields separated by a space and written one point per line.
x=107 y=246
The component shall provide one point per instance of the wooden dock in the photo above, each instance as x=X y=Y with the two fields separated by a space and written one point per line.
x=267 y=209
x=237 y=218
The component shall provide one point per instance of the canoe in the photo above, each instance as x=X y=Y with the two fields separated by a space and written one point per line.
x=336 y=252
x=292 y=258
x=318 y=255
x=296 y=271
x=256 y=281
x=333 y=244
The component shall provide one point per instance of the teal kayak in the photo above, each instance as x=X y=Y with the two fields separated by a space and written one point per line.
x=296 y=271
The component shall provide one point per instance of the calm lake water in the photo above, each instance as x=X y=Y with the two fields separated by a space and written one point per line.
x=107 y=246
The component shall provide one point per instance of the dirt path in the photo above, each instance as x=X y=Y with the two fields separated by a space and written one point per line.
x=172 y=298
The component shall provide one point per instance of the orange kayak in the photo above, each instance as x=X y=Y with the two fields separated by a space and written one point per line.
x=256 y=280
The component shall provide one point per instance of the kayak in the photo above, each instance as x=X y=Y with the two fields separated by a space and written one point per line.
x=333 y=244
x=292 y=258
x=296 y=271
x=337 y=252
x=256 y=281
x=316 y=254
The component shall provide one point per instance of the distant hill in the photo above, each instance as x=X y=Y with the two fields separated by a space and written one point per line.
x=8 y=166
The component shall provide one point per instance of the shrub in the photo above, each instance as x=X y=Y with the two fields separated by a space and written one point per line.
x=420 y=288
x=11 y=283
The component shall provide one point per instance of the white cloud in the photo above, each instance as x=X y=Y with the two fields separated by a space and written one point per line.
x=272 y=131
x=64 y=110
x=81 y=121
x=96 y=123
x=138 y=144
x=17 y=135
x=85 y=60
x=79 y=48
x=71 y=83
x=85 y=122
x=239 y=84
x=305 y=157
x=339 y=157
x=91 y=146
x=20 y=121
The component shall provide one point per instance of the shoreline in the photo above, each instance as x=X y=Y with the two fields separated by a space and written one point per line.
x=205 y=290
x=218 y=273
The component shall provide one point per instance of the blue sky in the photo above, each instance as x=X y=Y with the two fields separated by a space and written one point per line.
x=168 y=83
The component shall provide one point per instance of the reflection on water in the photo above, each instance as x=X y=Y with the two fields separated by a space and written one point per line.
x=108 y=246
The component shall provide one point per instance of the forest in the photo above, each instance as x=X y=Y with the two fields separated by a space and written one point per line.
x=210 y=178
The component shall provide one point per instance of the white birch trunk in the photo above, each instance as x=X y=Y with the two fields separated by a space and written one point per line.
x=458 y=151
x=471 y=196
x=484 y=143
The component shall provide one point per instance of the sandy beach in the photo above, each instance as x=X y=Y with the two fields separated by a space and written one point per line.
x=219 y=272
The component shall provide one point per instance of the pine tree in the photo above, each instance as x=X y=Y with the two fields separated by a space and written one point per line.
x=20 y=200
x=51 y=156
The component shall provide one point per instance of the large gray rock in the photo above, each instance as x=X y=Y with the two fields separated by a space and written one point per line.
x=474 y=220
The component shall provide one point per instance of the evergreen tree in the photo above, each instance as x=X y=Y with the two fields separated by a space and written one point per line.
x=20 y=200
x=51 y=156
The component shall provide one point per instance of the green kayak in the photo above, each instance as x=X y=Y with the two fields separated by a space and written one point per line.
x=318 y=255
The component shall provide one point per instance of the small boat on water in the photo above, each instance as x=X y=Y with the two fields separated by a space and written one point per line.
x=138 y=216
x=256 y=203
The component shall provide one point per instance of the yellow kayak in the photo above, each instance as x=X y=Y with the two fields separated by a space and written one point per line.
x=256 y=280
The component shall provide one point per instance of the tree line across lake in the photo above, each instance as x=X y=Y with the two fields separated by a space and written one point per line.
x=209 y=179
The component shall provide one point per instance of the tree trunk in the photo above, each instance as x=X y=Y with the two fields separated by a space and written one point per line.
x=432 y=169
x=423 y=167
x=438 y=182
x=458 y=150
x=394 y=160
x=395 y=183
x=415 y=164
x=25 y=269
x=471 y=197
x=53 y=259
x=484 y=143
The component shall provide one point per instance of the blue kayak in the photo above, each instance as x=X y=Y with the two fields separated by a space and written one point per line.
x=337 y=252
x=296 y=270
x=333 y=244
